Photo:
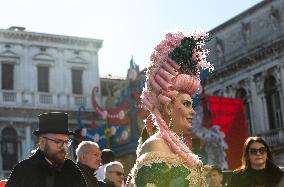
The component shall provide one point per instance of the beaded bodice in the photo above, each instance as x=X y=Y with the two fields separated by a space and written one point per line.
x=157 y=166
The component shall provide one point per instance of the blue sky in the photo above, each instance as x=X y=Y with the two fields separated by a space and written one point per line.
x=128 y=27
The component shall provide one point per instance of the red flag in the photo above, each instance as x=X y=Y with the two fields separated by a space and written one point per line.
x=229 y=114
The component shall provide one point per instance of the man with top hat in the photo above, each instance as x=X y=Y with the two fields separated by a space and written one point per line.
x=49 y=166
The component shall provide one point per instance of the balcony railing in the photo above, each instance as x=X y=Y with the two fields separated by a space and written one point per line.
x=80 y=100
x=42 y=100
x=9 y=96
x=45 y=98
x=274 y=138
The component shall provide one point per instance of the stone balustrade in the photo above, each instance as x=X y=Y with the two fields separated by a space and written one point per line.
x=43 y=100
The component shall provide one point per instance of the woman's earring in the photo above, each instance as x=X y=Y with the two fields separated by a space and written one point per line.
x=170 y=122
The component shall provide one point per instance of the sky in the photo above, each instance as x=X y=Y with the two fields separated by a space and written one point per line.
x=127 y=27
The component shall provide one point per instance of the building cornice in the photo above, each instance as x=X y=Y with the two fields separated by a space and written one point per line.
x=239 y=17
x=111 y=77
x=252 y=57
x=27 y=112
x=50 y=38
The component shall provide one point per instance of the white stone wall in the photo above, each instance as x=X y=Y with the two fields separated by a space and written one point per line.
x=61 y=54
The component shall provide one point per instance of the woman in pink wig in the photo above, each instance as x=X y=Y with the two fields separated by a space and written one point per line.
x=164 y=160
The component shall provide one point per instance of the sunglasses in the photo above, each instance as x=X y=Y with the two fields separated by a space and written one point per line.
x=118 y=173
x=254 y=151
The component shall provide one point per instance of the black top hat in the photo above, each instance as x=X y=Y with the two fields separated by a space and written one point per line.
x=53 y=122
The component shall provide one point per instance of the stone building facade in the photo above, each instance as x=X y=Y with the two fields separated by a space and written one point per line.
x=248 y=54
x=41 y=73
x=112 y=88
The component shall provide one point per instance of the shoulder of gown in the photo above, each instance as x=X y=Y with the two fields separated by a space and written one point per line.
x=157 y=165
x=154 y=144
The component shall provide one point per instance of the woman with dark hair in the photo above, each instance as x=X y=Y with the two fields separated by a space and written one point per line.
x=258 y=168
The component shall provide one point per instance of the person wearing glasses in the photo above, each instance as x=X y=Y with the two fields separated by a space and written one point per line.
x=88 y=159
x=258 y=168
x=114 y=175
x=49 y=165
x=107 y=157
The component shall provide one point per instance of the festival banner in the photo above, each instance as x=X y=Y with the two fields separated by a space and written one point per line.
x=228 y=113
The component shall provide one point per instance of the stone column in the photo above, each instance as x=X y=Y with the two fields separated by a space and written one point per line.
x=257 y=107
x=1 y=161
x=253 y=106
x=264 y=114
x=248 y=87
x=32 y=71
x=1 y=75
x=281 y=90
x=27 y=146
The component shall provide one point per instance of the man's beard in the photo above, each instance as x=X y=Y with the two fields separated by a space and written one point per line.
x=56 y=158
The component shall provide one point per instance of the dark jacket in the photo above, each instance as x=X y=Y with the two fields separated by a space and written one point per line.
x=37 y=172
x=106 y=183
x=89 y=175
x=268 y=177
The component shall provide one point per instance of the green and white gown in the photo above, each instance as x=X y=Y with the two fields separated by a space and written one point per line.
x=158 y=166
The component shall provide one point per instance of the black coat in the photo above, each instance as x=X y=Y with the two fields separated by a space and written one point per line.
x=268 y=177
x=37 y=172
x=106 y=183
x=89 y=175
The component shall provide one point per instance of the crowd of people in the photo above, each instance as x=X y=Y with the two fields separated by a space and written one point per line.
x=163 y=158
x=50 y=167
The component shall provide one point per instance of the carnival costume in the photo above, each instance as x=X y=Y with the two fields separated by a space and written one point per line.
x=164 y=160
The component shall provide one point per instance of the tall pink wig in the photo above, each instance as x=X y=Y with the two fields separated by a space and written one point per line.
x=174 y=67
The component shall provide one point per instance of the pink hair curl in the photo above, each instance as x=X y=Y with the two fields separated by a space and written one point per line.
x=164 y=99
x=165 y=80
x=170 y=69
x=162 y=82
x=155 y=86
x=187 y=83
x=166 y=75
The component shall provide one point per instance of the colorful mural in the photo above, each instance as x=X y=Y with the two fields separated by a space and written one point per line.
x=118 y=125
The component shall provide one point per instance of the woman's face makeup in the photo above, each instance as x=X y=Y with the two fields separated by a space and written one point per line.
x=182 y=113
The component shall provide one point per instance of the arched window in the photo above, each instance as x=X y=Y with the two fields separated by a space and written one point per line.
x=242 y=94
x=9 y=148
x=273 y=103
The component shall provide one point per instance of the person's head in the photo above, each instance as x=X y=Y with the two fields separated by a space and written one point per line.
x=54 y=147
x=179 y=113
x=53 y=135
x=89 y=154
x=214 y=176
x=114 y=173
x=172 y=78
x=107 y=156
x=256 y=153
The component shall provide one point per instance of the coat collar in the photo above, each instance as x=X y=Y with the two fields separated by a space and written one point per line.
x=86 y=168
